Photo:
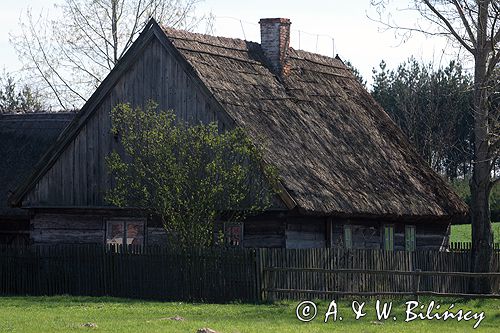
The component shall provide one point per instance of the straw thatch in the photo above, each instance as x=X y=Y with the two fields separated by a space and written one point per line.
x=336 y=150
x=24 y=139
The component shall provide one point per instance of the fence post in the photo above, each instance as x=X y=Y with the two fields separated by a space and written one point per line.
x=417 y=284
x=258 y=276
x=262 y=284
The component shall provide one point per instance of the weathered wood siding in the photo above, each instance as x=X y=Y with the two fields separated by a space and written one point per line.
x=305 y=232
x=83 y=228
x=432 y=236
x=268 y=230
x=264 y=231
x=79 y=177
x=365 y=234
x=67 y=229
x=297 y=232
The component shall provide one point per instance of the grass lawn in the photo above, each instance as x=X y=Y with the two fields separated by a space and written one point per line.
x=68 y=314
x=462 y=233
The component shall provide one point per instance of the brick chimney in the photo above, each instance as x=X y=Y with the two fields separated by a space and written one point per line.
x=275 y=41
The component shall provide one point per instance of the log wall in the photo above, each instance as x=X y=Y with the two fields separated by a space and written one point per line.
x=297 y=232
x=269 y=230
x=265 y=232
x=67 y=229
x=84 y=228
x=305 y=232
x=432 y=236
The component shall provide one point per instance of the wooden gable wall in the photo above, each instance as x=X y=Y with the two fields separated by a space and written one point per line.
x=79 y=177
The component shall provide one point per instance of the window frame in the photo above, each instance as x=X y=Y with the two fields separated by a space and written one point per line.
x=388 y=237
x=348 y=244
x=410 y=237
x=227 y=226
x=125 y=221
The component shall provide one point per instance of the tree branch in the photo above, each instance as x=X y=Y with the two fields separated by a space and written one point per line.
x=37 y=65
x=449 y=26
x=465 y=22
x=48 y=63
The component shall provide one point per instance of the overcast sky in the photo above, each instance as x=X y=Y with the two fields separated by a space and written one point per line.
x=355 y=36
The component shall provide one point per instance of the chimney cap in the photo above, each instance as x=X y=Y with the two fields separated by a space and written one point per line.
x=275 y=20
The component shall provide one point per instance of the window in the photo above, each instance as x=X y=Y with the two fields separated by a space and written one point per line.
x=348 y=236
x=389 y=237
x=126 y=231
x=233 y=234
x=410 y=243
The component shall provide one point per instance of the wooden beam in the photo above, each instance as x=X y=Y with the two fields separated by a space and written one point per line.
x=382 y=293
x=381 y=272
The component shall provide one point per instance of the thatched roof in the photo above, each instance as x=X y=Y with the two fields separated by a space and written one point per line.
x=337 y=151
x=24 y=139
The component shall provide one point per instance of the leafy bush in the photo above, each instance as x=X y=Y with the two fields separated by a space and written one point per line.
x=188 y=175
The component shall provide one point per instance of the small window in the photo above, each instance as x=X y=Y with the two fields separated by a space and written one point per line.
x=389 y=237
x=233 y=234
x=348 y=236
x=410 y=243
x=130 y=232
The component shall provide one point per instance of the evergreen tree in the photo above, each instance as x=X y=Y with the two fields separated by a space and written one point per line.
x=433 y=108
x=14 y=100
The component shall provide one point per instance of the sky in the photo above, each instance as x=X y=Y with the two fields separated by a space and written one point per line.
x=328 y=27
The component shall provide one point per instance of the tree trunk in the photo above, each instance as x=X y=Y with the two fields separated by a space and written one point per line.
x=482 y=239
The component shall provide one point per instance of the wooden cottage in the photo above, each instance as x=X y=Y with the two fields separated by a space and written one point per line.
x=24 y=138
x=350 y=178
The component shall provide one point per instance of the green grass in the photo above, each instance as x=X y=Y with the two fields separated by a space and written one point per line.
x=68 y=314
x=462 y=233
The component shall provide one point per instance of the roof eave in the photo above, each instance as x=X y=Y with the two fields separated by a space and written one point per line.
x=453 y=218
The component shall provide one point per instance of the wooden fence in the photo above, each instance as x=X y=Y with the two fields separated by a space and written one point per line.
x=222 y=275
x=416 y=277
x=319 y=273
x=215 y=275
x=467 y=246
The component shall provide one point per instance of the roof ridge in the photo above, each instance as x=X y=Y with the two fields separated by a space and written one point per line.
x=321 y=63
x=215 y=41
x=214 y=44
x=322 y=59
x=171 y=31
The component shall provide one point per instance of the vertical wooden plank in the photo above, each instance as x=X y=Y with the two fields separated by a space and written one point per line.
x=156 y=68
x=77 y=180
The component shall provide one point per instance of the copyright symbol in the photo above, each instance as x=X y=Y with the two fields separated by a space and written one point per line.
x=306 y=311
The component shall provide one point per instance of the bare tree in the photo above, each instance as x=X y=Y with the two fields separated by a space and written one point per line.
x=69 y=55
x=473 y=25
